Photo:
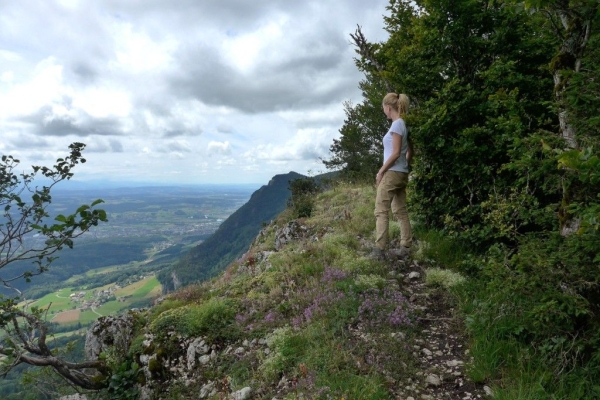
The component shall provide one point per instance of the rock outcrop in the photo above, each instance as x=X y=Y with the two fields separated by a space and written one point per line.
x=114 y=333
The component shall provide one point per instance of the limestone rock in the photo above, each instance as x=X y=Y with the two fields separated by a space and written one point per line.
x=454 y=363
x=208 y=390
x=205 y=359
x=242 y=394
x=76 y=396
x=414 y=275
x=197 y=347
x=109 y=332
x=292 y=231
x=433 y=380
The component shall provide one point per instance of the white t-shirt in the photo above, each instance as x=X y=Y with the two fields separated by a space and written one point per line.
x=398 y=128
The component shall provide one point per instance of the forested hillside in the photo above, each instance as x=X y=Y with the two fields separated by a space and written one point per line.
x=505 y=123
x=233 y=236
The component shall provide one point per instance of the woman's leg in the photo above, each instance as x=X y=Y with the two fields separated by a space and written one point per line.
x=400 y=211
x=385 y=194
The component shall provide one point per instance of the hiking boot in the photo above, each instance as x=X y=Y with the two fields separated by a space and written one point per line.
x=377 y=254
x=401 y=252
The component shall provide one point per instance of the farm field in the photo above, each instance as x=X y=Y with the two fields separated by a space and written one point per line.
x=70 y=306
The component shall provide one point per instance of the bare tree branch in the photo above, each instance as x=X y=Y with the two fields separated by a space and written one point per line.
x=367 y=52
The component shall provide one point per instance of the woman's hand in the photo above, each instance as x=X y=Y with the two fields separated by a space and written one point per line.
x=378 y=178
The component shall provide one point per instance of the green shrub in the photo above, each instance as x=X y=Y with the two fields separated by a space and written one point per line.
x=446 y=251
x=365 y=282
x=166 y=305
x=352 y=262
x=443 y=277
x=533 y=315
x=302 y=199
x=122 y=383
x=213 y=318
x=286 y=349
x=394 y=229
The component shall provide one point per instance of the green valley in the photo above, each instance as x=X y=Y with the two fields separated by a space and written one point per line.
x=114 y=266
x=77 y=306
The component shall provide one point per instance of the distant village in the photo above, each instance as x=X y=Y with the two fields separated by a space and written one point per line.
x=100 y=297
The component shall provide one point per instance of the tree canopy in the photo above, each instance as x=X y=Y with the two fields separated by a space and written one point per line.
x=504 y=121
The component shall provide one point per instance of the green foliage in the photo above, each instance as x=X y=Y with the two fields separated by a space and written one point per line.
x=122 y=383
x=366 y=282
x=301 y=201
x=477 y=77
x=21 y=218
x=24 y=333
x=212 y=318
x=283 y=345
x=536 y=311
x=584 y=168
x=443 y=277
x=313 y=357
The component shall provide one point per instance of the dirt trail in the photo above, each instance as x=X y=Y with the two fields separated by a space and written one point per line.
x=441 y=348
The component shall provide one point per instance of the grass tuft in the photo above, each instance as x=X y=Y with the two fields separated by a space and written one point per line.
x=443 y=277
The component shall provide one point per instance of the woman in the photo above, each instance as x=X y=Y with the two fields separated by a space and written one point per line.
x=392 y=177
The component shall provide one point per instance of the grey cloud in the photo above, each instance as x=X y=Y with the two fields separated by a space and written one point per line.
x=38 y=156
x=313 y=152
x=181 y=132
x=155 y=107
x=314 y=67
x=295 y=82
x=67 y=125
x=65 y=34
x=29 y=142
x=175 y=147
x=224 y=128
x=193 y=13
x=177 y=129
x=178 y=147
x=173 y=133
x=84 y=73
x=116 y=146
x=103 y=146
x=315 y=53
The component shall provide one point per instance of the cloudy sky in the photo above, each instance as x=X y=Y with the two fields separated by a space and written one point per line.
x=179 y=91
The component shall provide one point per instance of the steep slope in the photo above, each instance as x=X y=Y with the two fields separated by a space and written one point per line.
x=306 y=314
x=233 y=236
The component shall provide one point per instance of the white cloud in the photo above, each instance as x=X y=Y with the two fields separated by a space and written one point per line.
x=246 y=52
x=43 y=87
x=157 y=86
x=136 y=52
x=219 y=147
x=103 y=102
x=10 y=55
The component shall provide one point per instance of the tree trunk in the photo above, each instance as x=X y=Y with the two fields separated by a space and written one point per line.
x=575 y=33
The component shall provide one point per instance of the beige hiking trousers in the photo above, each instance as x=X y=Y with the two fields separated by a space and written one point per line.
x=391 y=194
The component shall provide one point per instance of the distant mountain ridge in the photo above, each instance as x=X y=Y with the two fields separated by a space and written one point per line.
x=233 y=237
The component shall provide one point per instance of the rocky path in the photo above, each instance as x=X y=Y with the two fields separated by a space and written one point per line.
x=440 y=348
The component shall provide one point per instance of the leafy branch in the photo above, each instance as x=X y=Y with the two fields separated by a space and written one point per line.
x=26 y=332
